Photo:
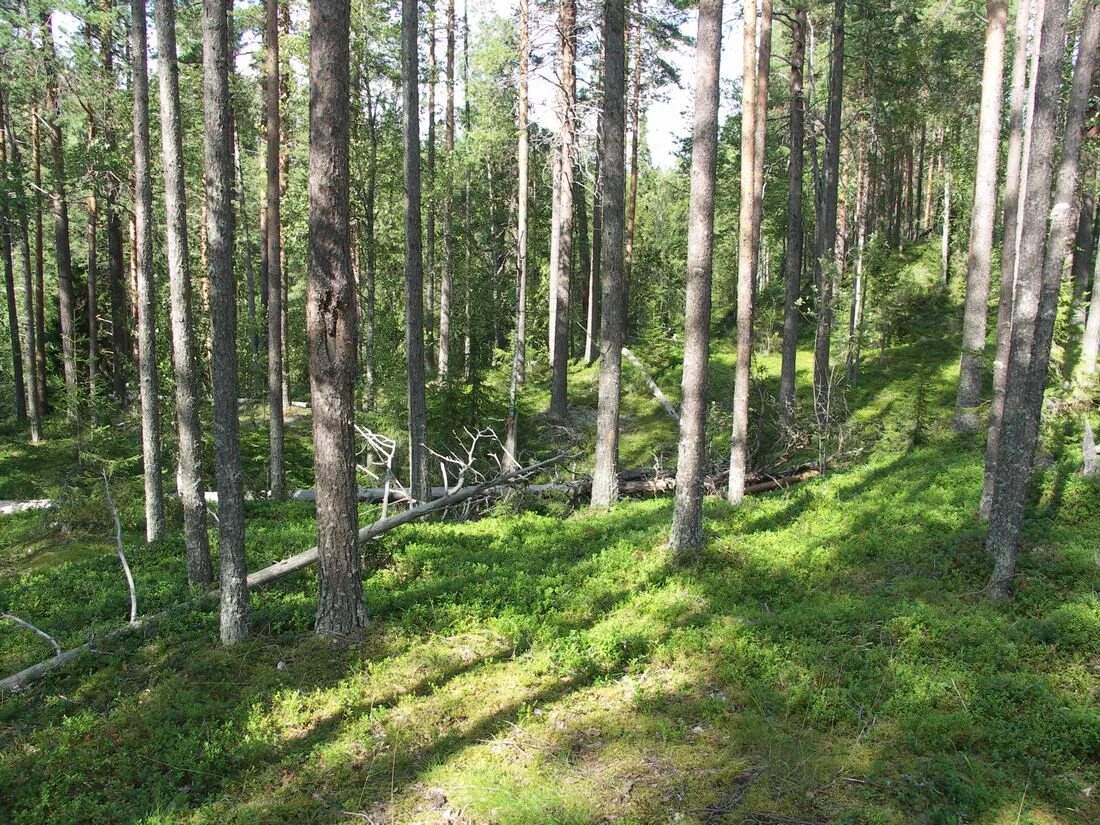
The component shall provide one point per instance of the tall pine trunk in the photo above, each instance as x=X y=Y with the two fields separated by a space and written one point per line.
x=792 y=271
x=145 y=295
x=605 y=476
x=414 y=267
x=446 y=283
x=7 y=250
x=825 y=232
x=519 y=353
x=189 y=482
x=746 y=234
x=1014 y=176
x=39 y=266
x=273 y=241
x=563 y=228
x=687 y=517
x=62 y=251
x=218 y=165
x=331 y=323
x=1038 y=277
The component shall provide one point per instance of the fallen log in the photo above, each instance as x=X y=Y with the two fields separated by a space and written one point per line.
x=645 y=482
x=662 y=399
x=281 y=569
x=9 y=507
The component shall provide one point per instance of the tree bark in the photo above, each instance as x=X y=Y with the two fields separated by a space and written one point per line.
x=746 y=276
x=982 y=217
x=414 y=273
x=7 y=248
x=29 y=344
x=39 y=267
x=792 y=271
x=612 y=312
x=1015 y=175
x=593 y=303
x=433 y=78
x=763 y=73
x=567 y=113
x=635 y=140
x=855 y=314
x=1090 y=342
x=273 y=241
x=145 y=296
x=1038 y=278
x=687 y=517
x=825 y=234
x=189 y=476
x=218 y=156
x=446 y=284
x=945 y=235
x=519 y=353
x=62 y=250
x=331 y=322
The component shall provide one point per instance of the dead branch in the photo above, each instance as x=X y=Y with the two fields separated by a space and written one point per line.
x=9 y=617
x=662 y=399
x=121 y=552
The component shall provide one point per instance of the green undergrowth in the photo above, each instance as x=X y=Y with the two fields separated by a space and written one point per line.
x=828 y=658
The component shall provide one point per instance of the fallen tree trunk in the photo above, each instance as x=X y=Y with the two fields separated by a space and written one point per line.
x=281 y=569
x=662 y=399
x=9 y=507
x=632 y=482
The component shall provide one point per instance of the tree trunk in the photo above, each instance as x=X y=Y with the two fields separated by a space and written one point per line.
x=567 y=87
x=855 y=314
x=945 y=236
x=414 y=273
x=1038 y=278
x=1084 y=244
x=218 y=165
x=982 y=217
x=1015 y=175
x=145 y=295
x=446 y=284
x=62 y=250
x=91 y=282
x=189 y=476
x=331 y=322
x=593 y=303
x=372 y=246
x=433 y=78
x=605 y=483
x=39 y=267
x=519 y=354
x=1090 y=342
x=28 y=349
x=273 y=241
x=792 y=272
x=763 y=73
x=635 y=140
x=687 y=517
x=825 y=239
x=746 y=276
x=7 y=246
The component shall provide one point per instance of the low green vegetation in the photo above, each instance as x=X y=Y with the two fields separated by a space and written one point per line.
x=827 y=658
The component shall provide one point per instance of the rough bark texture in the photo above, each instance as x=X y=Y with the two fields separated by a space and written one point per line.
x=763 y=76
x=792 y=271
x=1033 y=311
x=519 y=354
x=635 y=142
x=189 y=476
x=1090 y=342
x=446 y=283
x=29 y=343
x=687 y=517
x=39 y=266
x=591 y=323
x=605 y=487
x=414 y=272
x=218 y=154
x=1018 y=99
x=273 y=245
x=826 y=232
x=62 y=251
x=745 y=274
x=982 y=217
x=563 y=228
x=148 y=379
x=331 y=323
x=7 y=243
x=945 y=233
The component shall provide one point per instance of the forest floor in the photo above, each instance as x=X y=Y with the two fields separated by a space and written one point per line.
x=827 y=659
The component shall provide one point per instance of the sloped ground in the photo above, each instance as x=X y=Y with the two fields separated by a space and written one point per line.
x=828 y=658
